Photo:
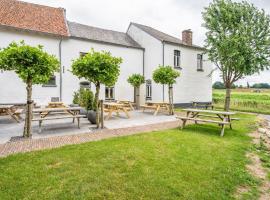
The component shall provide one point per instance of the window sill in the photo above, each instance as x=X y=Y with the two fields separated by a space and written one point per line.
x=179 y=68
x=200 y=70
x=49 y=85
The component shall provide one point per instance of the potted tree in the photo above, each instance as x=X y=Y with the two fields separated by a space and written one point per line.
x=84 y=98
x=136 y=80
x=34 y=66
x=98 y=68
x=167 y=75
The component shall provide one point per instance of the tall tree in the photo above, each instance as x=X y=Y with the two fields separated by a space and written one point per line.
x=136 y=80
x=238 y=40
x=98 y=68
x=166 y=75
x=33 y=65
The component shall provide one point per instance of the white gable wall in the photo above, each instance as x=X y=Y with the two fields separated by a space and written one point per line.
x=132 y=63
x=192 y=85
x=152 y=59
x=12 y=89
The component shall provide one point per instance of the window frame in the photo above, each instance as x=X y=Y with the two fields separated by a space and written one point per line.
x=149 y=90
x=177 y=59
x=200 y=62
x=112 y=88
x=51 y=84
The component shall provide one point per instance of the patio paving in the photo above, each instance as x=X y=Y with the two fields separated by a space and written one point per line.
x=10 y=129
x=55 y=140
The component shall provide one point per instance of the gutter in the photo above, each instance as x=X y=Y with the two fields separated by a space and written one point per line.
x=61 y=70
x=163 y=61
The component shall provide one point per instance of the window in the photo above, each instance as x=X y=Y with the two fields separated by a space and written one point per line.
x=85 y=84
x=82 y=54
x=177 y=56
x=148 y=90
x=51 y=82
x=109 y=93
x=199 y=62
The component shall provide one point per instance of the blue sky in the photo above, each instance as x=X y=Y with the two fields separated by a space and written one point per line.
x=170 y=16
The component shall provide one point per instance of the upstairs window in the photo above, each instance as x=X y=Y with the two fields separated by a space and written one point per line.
x=51 y=82
x=109 y=93
x=199 y=62
x=148 y=90
x=177 y=57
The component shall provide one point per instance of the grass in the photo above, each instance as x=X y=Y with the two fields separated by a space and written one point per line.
x=194 y=163
x=245 y=100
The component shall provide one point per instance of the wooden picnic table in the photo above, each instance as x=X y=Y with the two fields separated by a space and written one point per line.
x=156 y=106
x=223 y=118
x=10 y=110
x=56 y=105
x=62 y=113
x=111 y=107
x=127 y=104
x=202 y=105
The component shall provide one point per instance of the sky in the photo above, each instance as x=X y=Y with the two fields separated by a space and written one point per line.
x=169 y=16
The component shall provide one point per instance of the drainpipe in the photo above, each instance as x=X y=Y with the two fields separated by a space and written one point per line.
x=143 y=63
x=61 y=71
x=163 y=90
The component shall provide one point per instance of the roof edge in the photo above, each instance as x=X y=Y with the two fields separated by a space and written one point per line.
x=104 y=42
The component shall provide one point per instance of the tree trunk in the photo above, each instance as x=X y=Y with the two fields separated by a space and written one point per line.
x=28 y=115
x=97 y=104
x=171 y=109
x=227 y=99
x=137 y=98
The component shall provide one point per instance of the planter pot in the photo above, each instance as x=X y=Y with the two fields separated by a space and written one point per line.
x=91 y=115
x=83 y=111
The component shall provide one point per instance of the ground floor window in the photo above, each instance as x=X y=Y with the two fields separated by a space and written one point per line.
x=85 y=84
x=148 y=89
x=51 y=82
x=109 y=93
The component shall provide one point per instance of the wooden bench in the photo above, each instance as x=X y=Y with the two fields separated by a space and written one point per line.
x=221 y=123
x=18 y=113
x=40 y=119
x=202 y=105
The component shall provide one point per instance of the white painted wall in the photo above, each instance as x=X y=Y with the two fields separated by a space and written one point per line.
x=12 y=89
x=153 y=57
x=132 y=63
x=192 y=85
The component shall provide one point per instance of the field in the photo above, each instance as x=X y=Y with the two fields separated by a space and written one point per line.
x=248 y=100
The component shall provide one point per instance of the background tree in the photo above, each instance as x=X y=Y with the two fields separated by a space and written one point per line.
x=238 y=40
x=218 y=85
x=33 y=65
x=136 y=80
x=98 y=68
x=167 y=75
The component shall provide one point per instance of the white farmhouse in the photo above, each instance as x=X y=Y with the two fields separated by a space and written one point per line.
x=142 y=49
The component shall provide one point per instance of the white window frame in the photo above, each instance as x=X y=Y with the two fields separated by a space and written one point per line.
x=148 y=90
x=111 y=93
x=177 y=59
x=199 y=62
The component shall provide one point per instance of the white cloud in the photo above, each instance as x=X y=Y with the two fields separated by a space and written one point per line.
x=170 y=16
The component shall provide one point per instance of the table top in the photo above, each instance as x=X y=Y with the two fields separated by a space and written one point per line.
x=209 y=111
x=5 y=106
x=56 y=109
x=57 y=102
x=112 y=104
x=157 y=103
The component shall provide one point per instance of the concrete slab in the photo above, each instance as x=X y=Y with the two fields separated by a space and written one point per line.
x=9 y=128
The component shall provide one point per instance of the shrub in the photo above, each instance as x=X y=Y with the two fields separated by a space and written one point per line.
x=85 y=98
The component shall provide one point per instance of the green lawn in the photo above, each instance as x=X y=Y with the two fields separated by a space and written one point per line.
x=244 y=100
x=195 y=163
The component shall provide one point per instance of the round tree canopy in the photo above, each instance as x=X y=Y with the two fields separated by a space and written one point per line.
x=136 y=80
x=30 y=63
x=97 y=67
x=165 y=75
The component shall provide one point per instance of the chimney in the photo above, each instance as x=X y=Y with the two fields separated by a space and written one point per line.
x=187 y=37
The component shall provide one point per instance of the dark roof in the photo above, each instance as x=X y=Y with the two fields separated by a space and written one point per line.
x=164 y=37
x=101 y=35
x=33 y=17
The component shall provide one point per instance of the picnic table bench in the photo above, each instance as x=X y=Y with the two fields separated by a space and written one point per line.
x=65 y=113
x=156 y=106
x=14 y=113
x=224 y=117
x=111 y=107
